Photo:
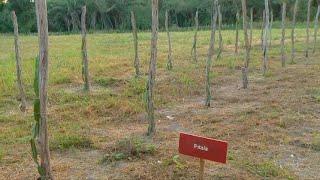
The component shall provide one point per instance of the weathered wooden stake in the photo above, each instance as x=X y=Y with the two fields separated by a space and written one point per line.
x=237 y=33
x=245 y=68
x=152 y=68
x=22 y=95
x=85 y=63
x=265 y=39
x=135 y=43
x=316 y=27
x=308 y=30
x=220 y=33
x=211 y=52
x=201 y=172
x=42 y=22
x=194 y=52
x=283 y=38
x=293 y=35
x=169 y=63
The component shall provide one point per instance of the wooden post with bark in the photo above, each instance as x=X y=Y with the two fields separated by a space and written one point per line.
x=316 y=27
x=135 y=44
x=251 y=27
x=308 y=30
x=237 y=33
x=152 y=69
x=214 y=11
x=293 y=34
x=169 y=63
x=22 y=95
x=220 y=33
x=265 y=39
x=194 y=52
x=42 y=22
x=283 y=37
x=85 y=63
x=245 y=68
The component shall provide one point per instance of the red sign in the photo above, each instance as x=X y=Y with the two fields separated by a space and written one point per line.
x=203 y=148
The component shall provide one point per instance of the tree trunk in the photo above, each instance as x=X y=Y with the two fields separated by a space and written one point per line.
x=293 y=50
x=195 y=39
x=152 y=68
x=42 y=22
x=237 y=33
x=262 y=27
x=251 y=26
x=169 y=63
x=265 y=39
x=85 y=63
x=270 y=25
x=211 y=51
x=22 y=95
x=220 y=33
x=245 y=69
x=283 y=38
x=135 y=42
x=316 y=22
x=308 y=30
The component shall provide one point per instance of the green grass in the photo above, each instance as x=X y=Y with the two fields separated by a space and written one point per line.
x=268 y=169
x=65 y=142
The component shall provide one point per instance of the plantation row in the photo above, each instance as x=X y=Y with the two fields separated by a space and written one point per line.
x=39 y=141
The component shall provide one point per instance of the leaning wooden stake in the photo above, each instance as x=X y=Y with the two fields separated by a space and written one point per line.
x=195 y=38
x=22 y=95
x=245 y=68
x=251 y=26
x=201 y=173
x=316 y=27
x=283 y=38
x=211 y=52
x=42 y=21
x=293 y=50
x=308 y=30
x=135 y=43
x=265 y=39
x=152 y=69
x=85 y=63
x=169 y=63
x=237 y=32
x=220 y=33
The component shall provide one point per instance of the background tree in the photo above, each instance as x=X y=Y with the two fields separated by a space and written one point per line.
x=220 y=33
x=245 y=69
x=308 y=31
x=135 y=44
x=152 y=68
x=85 y=63
x=265 y=39
x=194 y=52
x=316 y=27
x=293 y=35
x=237 y=32
x=283 y=27
x=169 y=63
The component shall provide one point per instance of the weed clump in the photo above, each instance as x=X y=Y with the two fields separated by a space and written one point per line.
x=128 y=149
x=64 y=142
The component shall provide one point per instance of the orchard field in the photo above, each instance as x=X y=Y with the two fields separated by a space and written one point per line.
x=273 y=127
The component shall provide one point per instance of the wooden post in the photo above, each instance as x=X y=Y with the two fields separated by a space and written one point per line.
x=245 y=68
x=169 y=64
x=251 y=26
x=22 y=95
x=283 y=27
x=135 y=43
x=211 y=52
x=265 y=39
x=262 y=27
x=237 y=32
x=293 y=35
x=220 y=33
x=152 y=68
x=201 y=174
x=316 y=27
x=85 y=63
x=194 y=46
x=308 y=30
x=42 y=22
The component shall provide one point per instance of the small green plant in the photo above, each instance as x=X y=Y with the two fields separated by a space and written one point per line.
x=268 y=169
x=176 y=161
x=63 y=142
x=106 y=82
x=316 y=95
x=316 y=142
x=129 y=148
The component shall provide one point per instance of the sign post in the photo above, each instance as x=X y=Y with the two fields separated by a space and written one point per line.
x=203 y=148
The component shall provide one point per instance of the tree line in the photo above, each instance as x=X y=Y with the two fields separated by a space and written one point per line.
x=65 y=15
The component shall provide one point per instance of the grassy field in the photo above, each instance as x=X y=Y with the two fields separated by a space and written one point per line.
x=273 y=128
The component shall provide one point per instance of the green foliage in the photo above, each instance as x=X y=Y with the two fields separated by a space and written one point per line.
x=268 y=169
x=129 y=148
x=63 y=142
x=176 y=161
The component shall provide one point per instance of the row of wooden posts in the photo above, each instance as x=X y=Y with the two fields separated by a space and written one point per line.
x=41 y=131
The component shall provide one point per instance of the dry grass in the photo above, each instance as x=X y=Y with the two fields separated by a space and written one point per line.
x=272 y=128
